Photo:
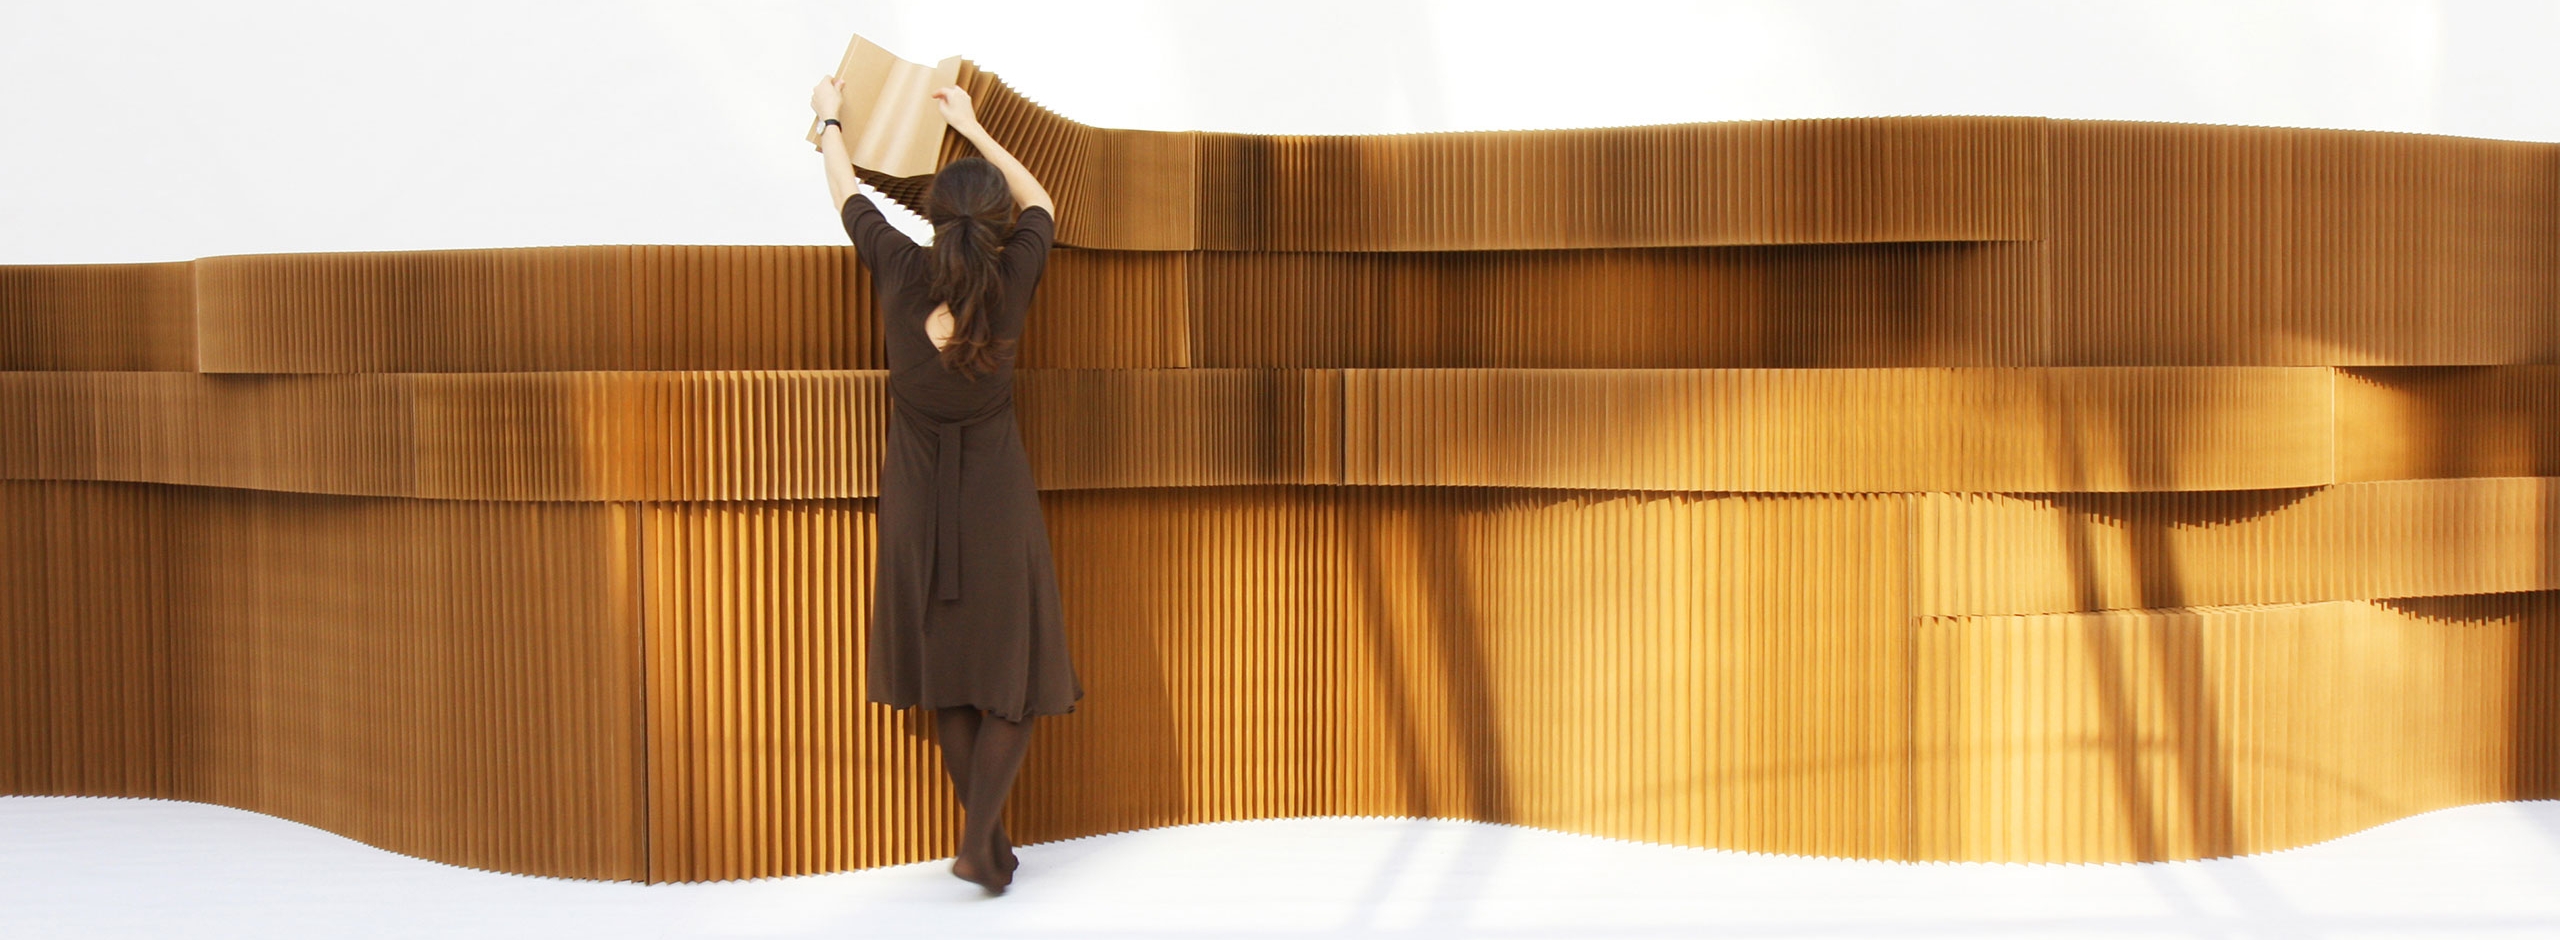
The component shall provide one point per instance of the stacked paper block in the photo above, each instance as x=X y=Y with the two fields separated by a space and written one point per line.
x=1914 y=488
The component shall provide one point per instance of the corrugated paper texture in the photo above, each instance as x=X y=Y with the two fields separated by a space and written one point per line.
x=2145 y=734
x=128 y=317
x=1741 y=183
x=880 y=123
x=1913 y=488
x=446 y=679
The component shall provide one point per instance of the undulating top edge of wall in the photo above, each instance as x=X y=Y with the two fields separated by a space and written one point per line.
x=1731 y=183
x=2124 y=244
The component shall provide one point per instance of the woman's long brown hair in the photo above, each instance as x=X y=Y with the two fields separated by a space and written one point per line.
x=971 y=209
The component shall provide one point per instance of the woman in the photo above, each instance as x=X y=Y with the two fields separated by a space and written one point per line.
x=965 y=615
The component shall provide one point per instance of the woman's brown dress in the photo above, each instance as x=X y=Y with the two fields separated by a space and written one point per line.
x=965 y=609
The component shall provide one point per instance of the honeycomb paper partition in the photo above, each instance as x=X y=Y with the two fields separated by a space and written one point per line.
x=889 y=135
x=1911 y=488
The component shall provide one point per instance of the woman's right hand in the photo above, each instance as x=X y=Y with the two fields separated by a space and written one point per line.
x=956 y=111
x=826 y=99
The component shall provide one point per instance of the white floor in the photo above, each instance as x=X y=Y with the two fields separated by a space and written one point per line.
x=80 y=867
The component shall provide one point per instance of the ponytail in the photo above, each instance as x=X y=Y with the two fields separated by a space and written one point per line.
x=972 y=212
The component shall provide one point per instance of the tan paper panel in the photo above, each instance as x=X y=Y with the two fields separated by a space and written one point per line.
x=1949 y=179
x=455 y=681
x=1865 y=180
x=2195 y=245
x=1930 y=304
x=1112 y=310
x=88 y=699
x=672 y=307
x=1624 y=665
x=1181 y=427
x=694 y=308
x=890 y=124
x=1137 y=190
x=2139 y=735
x=1840 y=430
x=2475 y=421
x=119 y=317
x=1730 y=671
x=495 y=436
x=764 y=756
x=52 y=425
x=329 y=434
x=2003 y=554
x=791 y=435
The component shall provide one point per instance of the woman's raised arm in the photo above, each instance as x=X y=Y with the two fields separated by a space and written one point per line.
x=957 y=112
x=826 y=100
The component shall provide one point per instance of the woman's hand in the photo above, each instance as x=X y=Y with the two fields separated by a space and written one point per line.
x=828 y=98
x=954 y=102
x=956 y=111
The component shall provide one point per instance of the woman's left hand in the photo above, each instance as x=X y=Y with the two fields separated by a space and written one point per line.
x=828 y=98
x=953 y=100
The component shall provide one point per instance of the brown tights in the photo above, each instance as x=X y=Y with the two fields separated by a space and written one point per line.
x=982 y=752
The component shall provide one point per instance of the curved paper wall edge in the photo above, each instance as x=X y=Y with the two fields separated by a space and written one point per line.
x=669 y=689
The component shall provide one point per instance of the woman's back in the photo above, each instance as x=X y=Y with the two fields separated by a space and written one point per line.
x=902 y=283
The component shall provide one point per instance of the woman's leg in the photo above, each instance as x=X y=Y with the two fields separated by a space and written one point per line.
x=957 y=727
x=998 y=756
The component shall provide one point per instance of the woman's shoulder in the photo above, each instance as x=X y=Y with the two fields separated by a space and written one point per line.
x=878 y=240
x=1037 y=222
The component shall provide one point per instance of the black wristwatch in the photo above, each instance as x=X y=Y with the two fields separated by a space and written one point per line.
x=830 y=122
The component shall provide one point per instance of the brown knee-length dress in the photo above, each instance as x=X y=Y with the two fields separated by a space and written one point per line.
x=965 y=609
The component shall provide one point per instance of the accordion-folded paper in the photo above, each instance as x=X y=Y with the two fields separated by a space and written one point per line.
x=1934 y=488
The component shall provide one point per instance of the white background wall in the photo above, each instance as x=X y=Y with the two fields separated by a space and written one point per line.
x=134 y=131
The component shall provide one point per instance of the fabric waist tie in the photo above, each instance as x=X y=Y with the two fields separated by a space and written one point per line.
x=950 y=439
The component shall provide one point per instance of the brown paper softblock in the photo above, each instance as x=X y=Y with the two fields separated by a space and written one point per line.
x=1758 y=182
x=2401 y=423
x=639 y=307
x=2137 y=735
x=1087 y=429
x=799 y=435
x=891 y=123
x=452 y=680
x=1923 y=304
x=2197 y=245
x=1455 y=641
x=1919 y=488
x=1987 y=553
x=1842 y=430
x=497 y=436
x=2147 y=244
x=127 y=317
x=720 y=307
x=715 y=307
x=1450 y=699
x=1397 y=663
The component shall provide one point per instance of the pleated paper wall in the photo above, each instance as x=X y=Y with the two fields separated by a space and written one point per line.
x=1927 y=488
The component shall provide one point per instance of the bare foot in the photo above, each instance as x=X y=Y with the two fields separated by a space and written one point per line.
x=970 y=869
